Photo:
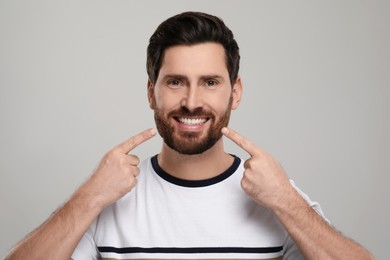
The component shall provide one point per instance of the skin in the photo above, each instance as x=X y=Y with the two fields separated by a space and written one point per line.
x=58 y=236
x=184 y=79
x=265 y=181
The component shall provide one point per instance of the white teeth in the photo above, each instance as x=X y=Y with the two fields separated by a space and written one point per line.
x=189 y=121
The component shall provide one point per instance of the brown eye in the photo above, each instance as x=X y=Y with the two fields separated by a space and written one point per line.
x=211 y=83
x=174 y=83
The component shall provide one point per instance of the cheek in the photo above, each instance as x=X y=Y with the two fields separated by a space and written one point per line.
x=165 y=102
x=220 y=105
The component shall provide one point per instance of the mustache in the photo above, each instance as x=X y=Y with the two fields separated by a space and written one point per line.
x=185 y=112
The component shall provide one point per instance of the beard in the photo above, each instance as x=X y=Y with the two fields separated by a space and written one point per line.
x=191 y=143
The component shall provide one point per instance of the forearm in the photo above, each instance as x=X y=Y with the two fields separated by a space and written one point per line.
x=58 y=236
x=315 y=238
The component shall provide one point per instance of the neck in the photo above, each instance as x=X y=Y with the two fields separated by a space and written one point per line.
x=207 y=164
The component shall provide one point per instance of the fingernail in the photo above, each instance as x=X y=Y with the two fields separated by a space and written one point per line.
x=225 y=130
x=153 y=131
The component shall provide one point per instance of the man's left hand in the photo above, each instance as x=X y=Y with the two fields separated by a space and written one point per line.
x=264 y=178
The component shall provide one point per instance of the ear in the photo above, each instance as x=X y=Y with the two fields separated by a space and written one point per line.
x=237 y=92
x=151 y=98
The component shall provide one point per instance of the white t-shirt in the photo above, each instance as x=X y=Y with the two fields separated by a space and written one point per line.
x=168 y=218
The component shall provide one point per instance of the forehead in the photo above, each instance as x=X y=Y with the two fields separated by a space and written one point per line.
x=203 y=58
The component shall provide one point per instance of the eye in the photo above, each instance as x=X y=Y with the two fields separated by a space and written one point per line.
x=211 y=83
x=174 y=83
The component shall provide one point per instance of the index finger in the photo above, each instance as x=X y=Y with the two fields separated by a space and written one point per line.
x=241 y=141
x=136 y=140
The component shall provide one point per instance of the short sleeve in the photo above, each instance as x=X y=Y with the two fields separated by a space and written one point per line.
x=313 y=204
x=86 y=249
x=291 y=251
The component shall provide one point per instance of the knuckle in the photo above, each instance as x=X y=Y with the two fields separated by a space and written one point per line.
x=247 y=186
x=240 y=141
x=247 y=176
x=243 y=182
x=137 y=160
x=136 y=171
x=108 y=157
x=146 y=134
x=131 y=142
x=109 y=154
x=247 y=164
x=251 y=165
x=134 y=159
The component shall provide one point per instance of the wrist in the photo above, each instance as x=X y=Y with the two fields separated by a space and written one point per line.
x=85 y=200
x=290 y=202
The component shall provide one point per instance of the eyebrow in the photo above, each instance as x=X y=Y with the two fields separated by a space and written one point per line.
x=175 y=76
x=185 y=78
x=212 y=76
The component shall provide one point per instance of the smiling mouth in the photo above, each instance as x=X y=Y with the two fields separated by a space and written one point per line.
x=191 y=121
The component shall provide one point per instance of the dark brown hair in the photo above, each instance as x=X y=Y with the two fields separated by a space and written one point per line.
x=187 y=29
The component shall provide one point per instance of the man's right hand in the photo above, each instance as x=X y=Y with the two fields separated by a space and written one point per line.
x=116 y=174
x=59 y=235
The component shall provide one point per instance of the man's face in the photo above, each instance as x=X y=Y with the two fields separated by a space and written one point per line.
x=193 y=97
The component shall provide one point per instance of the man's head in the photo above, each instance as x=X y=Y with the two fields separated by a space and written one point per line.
x=191 y=28
x=193 y=63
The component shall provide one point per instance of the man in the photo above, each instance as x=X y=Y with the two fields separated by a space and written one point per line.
x=192 y=200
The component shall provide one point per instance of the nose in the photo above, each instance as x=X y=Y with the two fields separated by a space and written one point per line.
x=192 y=98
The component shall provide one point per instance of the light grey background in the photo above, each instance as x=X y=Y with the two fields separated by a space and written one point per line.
x=316 y=89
